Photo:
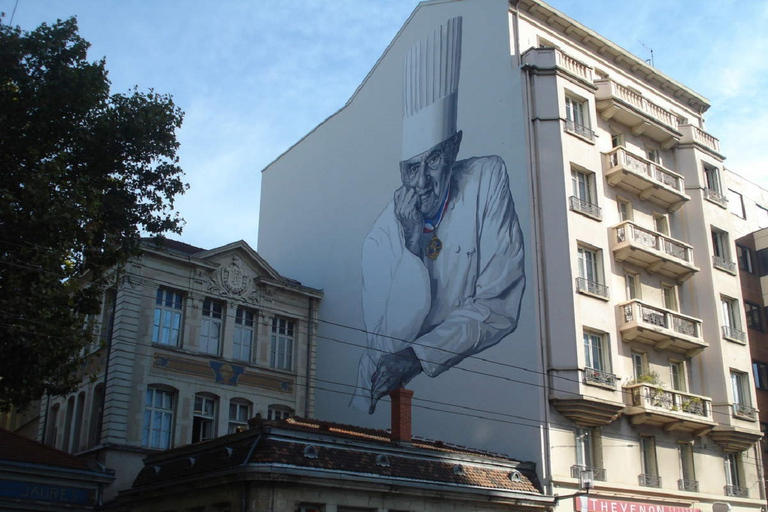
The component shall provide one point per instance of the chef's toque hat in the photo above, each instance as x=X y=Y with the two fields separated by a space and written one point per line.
x=430 y=89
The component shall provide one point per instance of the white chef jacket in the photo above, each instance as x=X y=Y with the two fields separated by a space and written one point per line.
x=461 y=303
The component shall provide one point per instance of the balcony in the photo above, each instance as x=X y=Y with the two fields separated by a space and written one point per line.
x=647 y=480
x=695 y=135
x=578 y=470
x=554 y=58
x=669 y=409
x=586 y=208
x=600 y=378
x=744 y=412
x=734 y=334
x=716 y=197
x=653 y=251
x=737 y=491
x=579 y=129
x=688 y=485
x=662 y=328
x=593 y=288
x=630 y=108
x=724 y=264
x=644 y=178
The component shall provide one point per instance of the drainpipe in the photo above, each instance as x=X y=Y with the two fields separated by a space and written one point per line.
x=311 y=320
x=534 y=176
x=110 y=330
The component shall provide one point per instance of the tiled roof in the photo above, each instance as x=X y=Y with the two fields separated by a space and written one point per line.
x=15 y=448
x=353 y=451
x=173 y=245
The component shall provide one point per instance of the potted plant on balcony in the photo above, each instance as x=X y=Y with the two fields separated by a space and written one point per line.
x=655 y=387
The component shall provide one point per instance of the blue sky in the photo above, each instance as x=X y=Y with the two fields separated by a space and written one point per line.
x=254 y=77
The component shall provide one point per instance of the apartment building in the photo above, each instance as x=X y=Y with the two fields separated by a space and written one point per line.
x=193 y=343
x=616 y=358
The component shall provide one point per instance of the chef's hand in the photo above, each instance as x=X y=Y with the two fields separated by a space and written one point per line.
x=407 y=213
x=393 y=371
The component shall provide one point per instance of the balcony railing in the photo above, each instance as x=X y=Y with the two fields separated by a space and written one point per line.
x=654 y=251
x=695 y=134
x=735 y=334
x=660 y=327
x=653 y=397
x=744 y=411
x=591 y=287
x=585 y=207
x=603 y=378
x=647 y=480
x=688 y=485
x=716 y=197
x=724 y=264
x=579 y=129
x=576 y=67
x=737 y=491
x=577 y=470
x=547 y=58
x=651 y=170
x=608 y=89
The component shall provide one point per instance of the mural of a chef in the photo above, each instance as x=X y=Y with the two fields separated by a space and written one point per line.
x=443 y=273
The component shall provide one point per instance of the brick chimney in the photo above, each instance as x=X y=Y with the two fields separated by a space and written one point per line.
x=401 y=415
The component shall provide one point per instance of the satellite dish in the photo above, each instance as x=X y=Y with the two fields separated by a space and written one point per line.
x=721 y=506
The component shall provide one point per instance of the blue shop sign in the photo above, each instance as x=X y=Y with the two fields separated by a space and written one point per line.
x=45 y=492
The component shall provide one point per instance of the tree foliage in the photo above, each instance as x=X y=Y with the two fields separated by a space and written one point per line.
x=83 y=174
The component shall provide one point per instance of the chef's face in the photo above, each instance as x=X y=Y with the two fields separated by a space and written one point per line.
x=429 y=173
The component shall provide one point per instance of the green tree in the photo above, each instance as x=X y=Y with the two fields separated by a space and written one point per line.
x=83 y=174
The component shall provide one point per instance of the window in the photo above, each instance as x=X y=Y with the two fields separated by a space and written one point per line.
x=204 y=418
x=68 y=424
x=712 y=178
x=279 y=412
x=167 y=324
x=594 y=351
x=632 y=285
x=649 y=476
x=733 y=475
x=754 y=320
x=243 y=339
x=625 y=209
x=677 y=375
x=661 y=224
x=736 y=204
x=639 y=364
x=281 y=350
x=210 y=327
x=158 y=418
x=744 y=257
x=687 y=480
x=617 y=140
x=762 y=216
x=107 y=308
x=589 y=451
x=97 y=408
x=740 y=388
x=576 y=118
x=669 y=296
x=760 y=373
x=721 y=252
x=584 y=198
x=653 y=155
x=764 y=440
x=52 y=427
x=731 y=320
x=77 y=426
x=590 y=278
x=239 y=412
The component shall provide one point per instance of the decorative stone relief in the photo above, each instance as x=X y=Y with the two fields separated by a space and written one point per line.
x=233 y=281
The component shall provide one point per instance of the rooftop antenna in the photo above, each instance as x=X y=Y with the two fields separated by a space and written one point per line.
x=650 y=50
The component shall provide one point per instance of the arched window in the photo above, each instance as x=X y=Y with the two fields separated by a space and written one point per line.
x=204 y=417
x=66 y=446
x=239 y=413
x=97 y=408
x=279 y=412
x=159 y=407
x=77 y=425
x=52 y=427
